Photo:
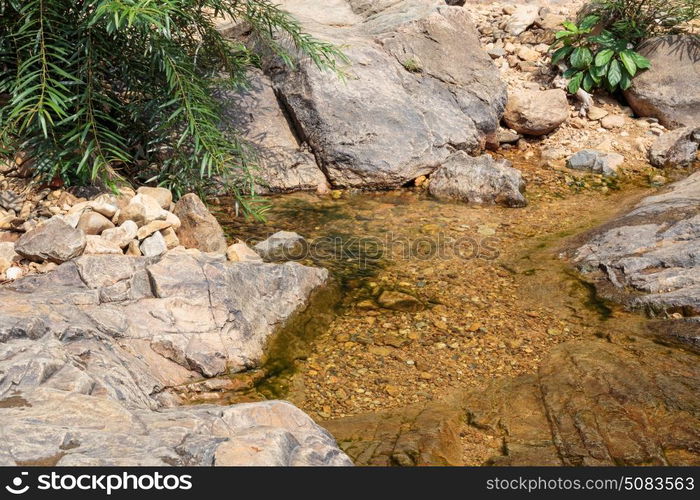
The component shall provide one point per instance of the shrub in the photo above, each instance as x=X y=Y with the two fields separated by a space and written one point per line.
x=599 y=48
x=113 y=89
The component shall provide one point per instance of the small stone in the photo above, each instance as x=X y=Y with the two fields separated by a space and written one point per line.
x=598 y=162
x=94 y=223
x=535 y=112
x=162 y=195
x=170 y=237
x=150 y=228
x=399 y=301
x=153 y=246
x=612 y=121
x=141 y=209
x=596 y=113
x=97 y=245
x=199 y=229
x=240 y=252
x=134 y=249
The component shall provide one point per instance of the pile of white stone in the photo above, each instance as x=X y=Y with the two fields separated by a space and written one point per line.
x=145 y=222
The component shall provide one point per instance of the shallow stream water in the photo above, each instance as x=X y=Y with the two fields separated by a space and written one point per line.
x=493 y=286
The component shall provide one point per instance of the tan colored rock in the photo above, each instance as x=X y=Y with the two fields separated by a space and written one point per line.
x=170 y=237
x=93 y=223
x=240 y=252
x=141 y=209
x=98 y=245
x=535 y=112
x=162 y=195
x=199 y=229
x=150 y=228
x=122 y=235
x=612 y=121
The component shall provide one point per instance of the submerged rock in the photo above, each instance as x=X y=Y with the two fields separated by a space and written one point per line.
x=536 y=112
x=478 y=180
x=597 y=162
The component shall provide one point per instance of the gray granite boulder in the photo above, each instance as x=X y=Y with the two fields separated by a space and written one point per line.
x=479 y=179
x=418 y=87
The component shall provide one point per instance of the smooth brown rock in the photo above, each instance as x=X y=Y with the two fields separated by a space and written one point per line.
x=94 y=223
x=535 y=112
x=199 y=229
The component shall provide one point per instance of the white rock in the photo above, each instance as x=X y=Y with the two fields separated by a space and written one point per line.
x=122 y=235
x=154 y=245
x=98 y=245
x=14 y=273
x=240 y=252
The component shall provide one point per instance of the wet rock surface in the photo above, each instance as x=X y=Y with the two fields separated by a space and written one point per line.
x=598 y=402
x=650 y=255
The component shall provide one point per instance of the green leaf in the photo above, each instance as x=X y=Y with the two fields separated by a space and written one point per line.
x=614 y=73
x=625 y=80
x=589 y=21
x=563 y=34
x=595 y=76
x=588 y=82
x=575 y=82
x=603 y=57
x=570 y=72
x=561 y=53
x=570 y=26
x=641 y=61
x=581 y=57
x=628 y=62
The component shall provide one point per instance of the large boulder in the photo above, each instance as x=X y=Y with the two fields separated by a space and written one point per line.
x=536 y=112
x=418 y=86
x=283 y=164
x=478 y=180
x=89 y=350
x=199 y=228
x=670 y=89
x=54 y=240
x=651 y=254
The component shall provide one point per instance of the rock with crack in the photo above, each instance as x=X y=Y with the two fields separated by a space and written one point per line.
x=54 y=240
x=88 y=350
x=192 y=314
x=652 y=252
x=478 y=180
x=597 y=162
x=283 y=163
x=418 y=87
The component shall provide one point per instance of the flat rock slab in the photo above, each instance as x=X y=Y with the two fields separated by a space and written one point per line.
x=87 y=351
x=649 y=257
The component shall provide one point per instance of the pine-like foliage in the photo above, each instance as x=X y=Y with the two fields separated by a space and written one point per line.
x=108 y=89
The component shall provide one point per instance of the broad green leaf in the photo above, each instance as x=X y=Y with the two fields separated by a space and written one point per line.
x=588 y=82
x=575 y=82
x=625 y=80
x=581 y=57
x=614 y=73
x=641 y=61
x=628 y=62
x=589 y=22
x=570 y=26
x=603 y=57
x=561 y=53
